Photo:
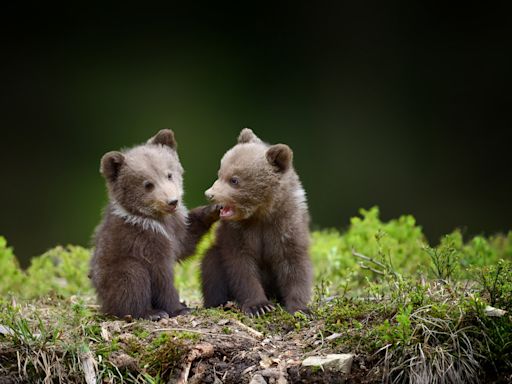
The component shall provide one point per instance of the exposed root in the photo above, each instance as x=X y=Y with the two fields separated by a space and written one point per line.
x=203 y=350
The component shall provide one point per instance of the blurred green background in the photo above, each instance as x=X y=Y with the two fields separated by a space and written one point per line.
x=405 y=106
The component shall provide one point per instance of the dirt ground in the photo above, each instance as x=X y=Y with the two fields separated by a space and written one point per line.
x=228 y=351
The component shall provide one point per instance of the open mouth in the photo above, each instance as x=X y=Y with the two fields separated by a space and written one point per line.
x=226 y=212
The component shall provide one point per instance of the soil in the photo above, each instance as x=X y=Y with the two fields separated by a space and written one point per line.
x=236 y=353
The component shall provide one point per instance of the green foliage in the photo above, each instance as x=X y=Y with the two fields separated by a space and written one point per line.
x=496 y=284
x=422 y=331
x=12 y=277
x=445 y=257
x=60 y=270
x=186 y=276
x=395 y=243
x=398 y=247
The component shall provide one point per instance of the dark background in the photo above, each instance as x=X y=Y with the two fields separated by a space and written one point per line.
x=405 y=106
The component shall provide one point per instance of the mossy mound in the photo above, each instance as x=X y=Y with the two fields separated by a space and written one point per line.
x=410 y=311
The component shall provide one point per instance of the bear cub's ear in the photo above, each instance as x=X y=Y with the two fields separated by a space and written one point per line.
x=164 y=137
x=280 y=156
x=248 y=136
x=111 y=163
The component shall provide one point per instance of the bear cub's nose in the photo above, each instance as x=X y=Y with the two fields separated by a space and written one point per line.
x=172 y=203
x=209 y=196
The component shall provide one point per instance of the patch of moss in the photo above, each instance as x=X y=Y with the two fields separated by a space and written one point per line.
x=140 y=332
x=163 y=355
x=105 y=348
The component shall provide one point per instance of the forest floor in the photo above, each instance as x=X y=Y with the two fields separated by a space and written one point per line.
x=67 y=340
x=205 y=346
x=387 y=307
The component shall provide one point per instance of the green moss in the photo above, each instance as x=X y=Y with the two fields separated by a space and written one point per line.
x=184 y=335
x=163 y=356
x=104 y=348
x=140 y=332
x=161 y=339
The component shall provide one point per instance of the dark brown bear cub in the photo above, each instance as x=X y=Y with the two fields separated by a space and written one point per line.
x=261 y=246
x=145 y=230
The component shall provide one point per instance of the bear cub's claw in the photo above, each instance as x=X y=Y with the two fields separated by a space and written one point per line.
x=258 y=310
x=182 y=311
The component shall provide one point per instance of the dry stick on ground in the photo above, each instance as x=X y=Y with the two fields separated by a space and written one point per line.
x=89 y=367
x=250 y=330
x=199 y=351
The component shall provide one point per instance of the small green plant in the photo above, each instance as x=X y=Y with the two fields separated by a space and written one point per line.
x=445 y=257
x=404 y=330
x=496 y=284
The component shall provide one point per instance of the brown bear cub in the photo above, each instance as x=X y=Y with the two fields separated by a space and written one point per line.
x=261 y=245
x=145 y=230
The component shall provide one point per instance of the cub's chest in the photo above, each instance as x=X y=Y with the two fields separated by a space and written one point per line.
x=149 y=248
x=265 y=242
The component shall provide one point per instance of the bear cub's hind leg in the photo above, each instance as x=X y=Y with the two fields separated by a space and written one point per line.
x=213 y=278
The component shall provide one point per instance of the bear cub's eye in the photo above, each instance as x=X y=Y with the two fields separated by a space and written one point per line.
x=148 y=186
x=169 y=176
x=234 y=181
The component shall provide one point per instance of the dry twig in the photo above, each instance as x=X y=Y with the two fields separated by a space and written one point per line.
x=199 y=351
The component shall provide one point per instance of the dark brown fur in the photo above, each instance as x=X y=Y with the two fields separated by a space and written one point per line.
x=261 y=247
x=144 y=231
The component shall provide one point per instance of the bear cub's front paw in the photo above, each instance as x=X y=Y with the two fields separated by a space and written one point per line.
x=258 y=309
x=181 y=311
x=213 y=212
